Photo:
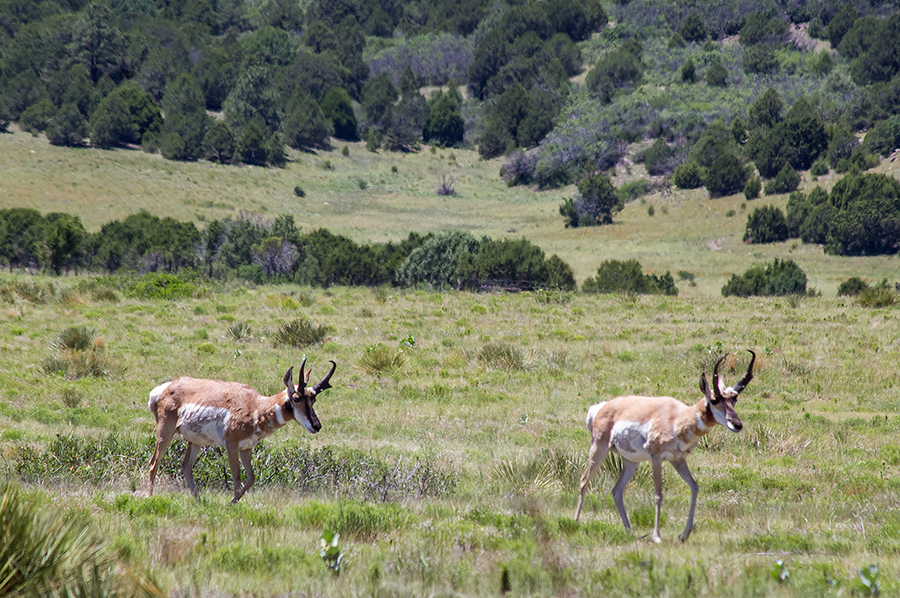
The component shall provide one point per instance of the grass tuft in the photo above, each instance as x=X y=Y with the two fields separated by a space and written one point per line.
x=380 y=358
x=502 y=356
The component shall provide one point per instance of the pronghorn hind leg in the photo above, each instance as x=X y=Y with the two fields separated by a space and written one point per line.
x=682 y=468
x=246 y=459
x=618 y=491
x=234 y=464
x=598 y=452
x=187 y=466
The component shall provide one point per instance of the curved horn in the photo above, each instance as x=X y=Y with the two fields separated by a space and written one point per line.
x=324 y=385
x=716 y=389
x=301 y=381
x=747 y=377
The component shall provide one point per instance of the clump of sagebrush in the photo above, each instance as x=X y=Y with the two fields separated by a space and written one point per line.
x=381 y=358
x=548 y=296
x=300 y=333
x=78 y=352
x=502 y=356
x=45 y=551
x=35 y=292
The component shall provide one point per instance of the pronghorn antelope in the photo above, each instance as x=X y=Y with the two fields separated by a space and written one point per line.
x=231 y=415
x=658 y=429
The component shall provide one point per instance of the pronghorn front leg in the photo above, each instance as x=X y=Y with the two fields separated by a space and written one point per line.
x=657 y=487
x=682 y=468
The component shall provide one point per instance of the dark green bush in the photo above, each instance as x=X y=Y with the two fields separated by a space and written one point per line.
x=687 y=175
x=692 y=28
x=615 y=276
x=852 y=287
x=819 y=167
x=766 y=224
x=752 y=188
x=596 y=203
x=161 y=286
x=786 y=181
x=717 y=75
x=660 y=159
x=727 y=175
x=781 y=277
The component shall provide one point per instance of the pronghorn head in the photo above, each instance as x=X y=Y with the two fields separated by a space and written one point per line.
x=302 y=398
x=720 y=399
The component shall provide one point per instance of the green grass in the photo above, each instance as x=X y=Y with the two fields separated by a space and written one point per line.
x=464 y=462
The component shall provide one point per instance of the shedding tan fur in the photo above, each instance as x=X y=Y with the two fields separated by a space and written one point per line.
x=658 y=429
x=231 y=415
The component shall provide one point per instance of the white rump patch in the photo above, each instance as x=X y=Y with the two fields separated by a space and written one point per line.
x=156 y=393
x=591 y=414
x=203 y=425
x=630 y=439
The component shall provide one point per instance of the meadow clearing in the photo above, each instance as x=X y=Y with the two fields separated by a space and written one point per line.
x=453 y=436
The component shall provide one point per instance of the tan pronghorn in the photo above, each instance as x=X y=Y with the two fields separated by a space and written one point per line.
x=230 y=415
x=658 y=429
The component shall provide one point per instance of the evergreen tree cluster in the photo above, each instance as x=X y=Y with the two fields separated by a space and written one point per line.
x=282 y=73
x=273 y=251
x=861 y=216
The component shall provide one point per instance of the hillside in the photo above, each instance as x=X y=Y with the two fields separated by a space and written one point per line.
x=687 y=232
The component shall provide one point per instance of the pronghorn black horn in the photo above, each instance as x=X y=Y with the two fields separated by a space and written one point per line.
x=716 y=389
x=324 y=385
x=302 y=380
x=747 y=377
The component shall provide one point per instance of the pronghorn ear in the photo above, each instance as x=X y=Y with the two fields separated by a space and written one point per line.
x=306 y=379
x=704 y=388
x=289 y=378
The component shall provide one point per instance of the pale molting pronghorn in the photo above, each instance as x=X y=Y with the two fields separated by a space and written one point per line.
x=230 y=415
x=658 y=429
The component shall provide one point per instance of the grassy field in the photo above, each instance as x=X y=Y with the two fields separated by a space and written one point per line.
x=454 y=471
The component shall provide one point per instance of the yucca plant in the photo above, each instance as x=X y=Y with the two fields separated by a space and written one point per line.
x=300 y=333
x=239 y=331
x=46 y=552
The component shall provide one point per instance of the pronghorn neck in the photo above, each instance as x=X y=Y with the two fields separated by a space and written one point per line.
x=702 y=419
x=273 y=413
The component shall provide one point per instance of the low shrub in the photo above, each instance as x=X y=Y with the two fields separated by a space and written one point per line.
x=752 y=188
x=852 y=287
x=766 y=224
x=161 y=286
x=615 y=276
x=781 y=277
